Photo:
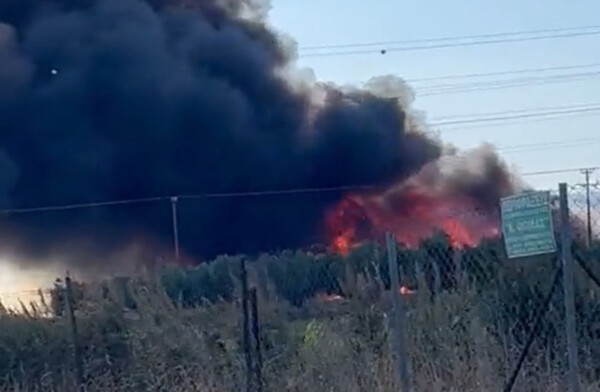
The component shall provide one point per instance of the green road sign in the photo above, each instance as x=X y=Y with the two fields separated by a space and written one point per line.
x=527 y=225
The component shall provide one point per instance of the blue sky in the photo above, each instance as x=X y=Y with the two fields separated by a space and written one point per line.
x=323 y=22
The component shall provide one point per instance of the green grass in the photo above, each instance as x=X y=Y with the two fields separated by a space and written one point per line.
x=453 y=343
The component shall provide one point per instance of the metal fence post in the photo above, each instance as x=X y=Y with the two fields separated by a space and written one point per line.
x=246 y=326
x=257 y=347
x=398 y=319
x=569 y=290
x=74 y=334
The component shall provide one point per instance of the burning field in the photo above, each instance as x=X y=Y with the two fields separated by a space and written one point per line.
x=411 y=216
x=429 y=202
x=110 y=100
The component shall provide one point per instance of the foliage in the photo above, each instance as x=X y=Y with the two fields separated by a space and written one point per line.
x=467 y=323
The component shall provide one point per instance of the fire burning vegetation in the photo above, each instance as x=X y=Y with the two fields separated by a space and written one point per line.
x=411 y=215
x=147 y=98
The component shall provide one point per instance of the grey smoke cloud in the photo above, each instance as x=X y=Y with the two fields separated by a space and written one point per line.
x=121 y=99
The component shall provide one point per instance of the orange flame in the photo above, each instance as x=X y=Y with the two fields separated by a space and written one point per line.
x=342 y=244
x=411 y=215
x=342 y=225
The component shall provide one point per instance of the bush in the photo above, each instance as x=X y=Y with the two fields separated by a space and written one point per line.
x=467 y=324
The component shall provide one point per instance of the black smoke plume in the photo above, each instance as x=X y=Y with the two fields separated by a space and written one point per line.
x=124 y=99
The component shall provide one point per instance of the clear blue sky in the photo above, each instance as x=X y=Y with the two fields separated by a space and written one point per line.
x=322 y=22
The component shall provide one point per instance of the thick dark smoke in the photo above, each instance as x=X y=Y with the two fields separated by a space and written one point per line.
x=124 y=99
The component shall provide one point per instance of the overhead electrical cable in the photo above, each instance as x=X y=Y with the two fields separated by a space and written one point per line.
x=504 y=73
x=452 y=38
x=519 y=122
x=566 y=144
x=503 y=84
x=433 y=45
x=519 y=111
x=556 y=171
x=524 y=115
x=222 y=195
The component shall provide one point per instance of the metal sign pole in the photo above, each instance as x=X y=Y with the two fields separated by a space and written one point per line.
x=569 y=290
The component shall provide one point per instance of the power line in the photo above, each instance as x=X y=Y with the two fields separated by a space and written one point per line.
x=511 y=80
x=226 y=195
x=484 y=117
x=296 y=191
x=520 y=146
x=521 y=122
x=519 y=111
x=82 y=205
x=503 y=73
x=549 y=145
x=448 y=45
x=556 y=171
x=516 y=116
x=503 y=84
x=278 y=192
x=451 y=38
x=552 y=147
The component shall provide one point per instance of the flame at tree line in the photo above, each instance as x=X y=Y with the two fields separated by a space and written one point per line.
x=411 y=214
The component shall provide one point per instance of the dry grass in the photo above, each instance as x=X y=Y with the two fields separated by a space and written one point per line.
x=338 y=346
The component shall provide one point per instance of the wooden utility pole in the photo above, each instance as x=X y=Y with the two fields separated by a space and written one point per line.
x=589 y=235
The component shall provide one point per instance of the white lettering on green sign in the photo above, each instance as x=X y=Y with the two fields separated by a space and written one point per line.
x=527 y=225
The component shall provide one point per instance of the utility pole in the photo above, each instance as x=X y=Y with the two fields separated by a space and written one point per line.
x=587 y=173
x=175 y=226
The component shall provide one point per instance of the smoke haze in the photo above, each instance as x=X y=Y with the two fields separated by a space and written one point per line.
x=124 y=99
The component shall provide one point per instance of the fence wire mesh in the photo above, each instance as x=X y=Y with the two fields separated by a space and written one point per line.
x=584 y=203
x=323 y=317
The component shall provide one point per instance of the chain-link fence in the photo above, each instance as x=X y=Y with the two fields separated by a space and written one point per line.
x=584 y=203
x=315 y=319
x=469 y=313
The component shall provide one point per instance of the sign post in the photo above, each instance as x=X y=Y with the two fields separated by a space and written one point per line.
x=569 y=290
x=527 y=225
